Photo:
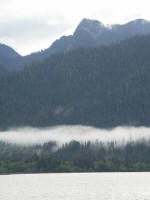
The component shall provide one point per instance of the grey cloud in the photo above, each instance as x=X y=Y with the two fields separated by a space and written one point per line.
x=31 y=28
x=30 y=33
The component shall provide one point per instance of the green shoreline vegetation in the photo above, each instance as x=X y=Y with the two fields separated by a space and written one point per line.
x=75 y=157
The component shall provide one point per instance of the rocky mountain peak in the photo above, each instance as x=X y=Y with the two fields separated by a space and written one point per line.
x=93 y=27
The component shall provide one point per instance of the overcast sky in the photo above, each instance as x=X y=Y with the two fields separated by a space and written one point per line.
x=31 y=25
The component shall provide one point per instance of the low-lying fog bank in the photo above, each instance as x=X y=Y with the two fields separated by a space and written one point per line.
x=65 y=134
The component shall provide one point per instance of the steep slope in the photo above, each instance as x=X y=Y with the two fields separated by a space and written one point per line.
x=103 y=86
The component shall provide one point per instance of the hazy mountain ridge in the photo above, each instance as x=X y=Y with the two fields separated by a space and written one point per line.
x=88 y=33
x=94 y=33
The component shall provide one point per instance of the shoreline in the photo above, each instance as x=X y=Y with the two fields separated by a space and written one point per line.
x=7 y=174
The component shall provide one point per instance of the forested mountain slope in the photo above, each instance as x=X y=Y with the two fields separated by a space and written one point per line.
x=101 y=86
x=3 y=71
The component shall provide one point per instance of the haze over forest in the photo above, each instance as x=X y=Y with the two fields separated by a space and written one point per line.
x=65 y=134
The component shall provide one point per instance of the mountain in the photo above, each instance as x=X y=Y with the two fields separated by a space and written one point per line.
x=93 y=33
x=99 y=34
x=103 y=86
x=88 y=33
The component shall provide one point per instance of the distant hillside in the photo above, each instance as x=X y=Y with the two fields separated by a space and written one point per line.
x=88 y=33
x=100 y=86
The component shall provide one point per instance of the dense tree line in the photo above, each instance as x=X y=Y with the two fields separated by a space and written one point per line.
x=103 y=87
x=75 y=157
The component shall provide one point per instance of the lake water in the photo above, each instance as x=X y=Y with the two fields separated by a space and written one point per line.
x=83 y=186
